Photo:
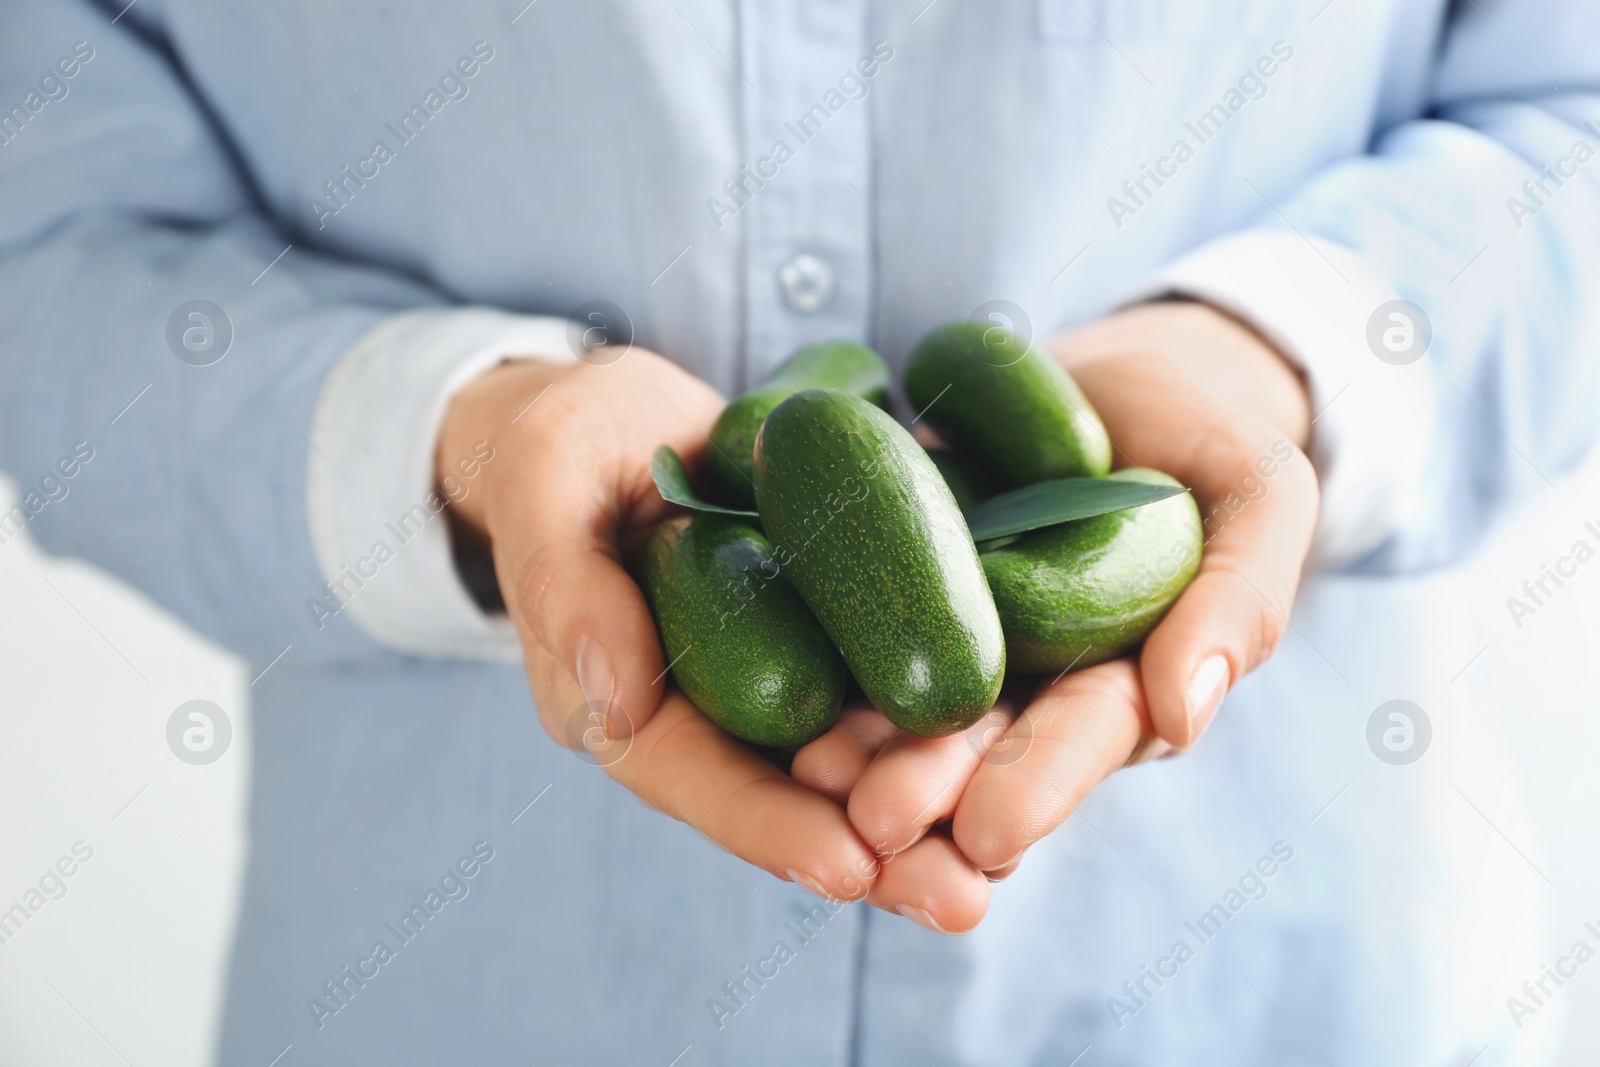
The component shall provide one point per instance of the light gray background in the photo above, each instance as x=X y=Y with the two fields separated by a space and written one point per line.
x=128 y=966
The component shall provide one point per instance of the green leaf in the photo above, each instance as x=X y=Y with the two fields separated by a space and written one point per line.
x=672 y=482
x=1050 y=503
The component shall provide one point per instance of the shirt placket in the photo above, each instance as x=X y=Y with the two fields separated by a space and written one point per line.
x=801 y=195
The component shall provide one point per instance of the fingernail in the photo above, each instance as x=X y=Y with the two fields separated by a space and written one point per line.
x=1012 y=862
x=596 y=680
x=1151 y=748
x=920 y=917
x=1206 y=690
x=1004 y=871
x=808 y=883
x=885 y=853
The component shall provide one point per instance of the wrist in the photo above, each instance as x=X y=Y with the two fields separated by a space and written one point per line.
x=1223 y=352
x=496 y=398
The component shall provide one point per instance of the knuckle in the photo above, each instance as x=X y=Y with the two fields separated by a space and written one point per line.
x=531 y=598
x=1000 y=874
x=1302 y=478
x=1113 y=683
x=989 y=848
x=554 y=417
x=881 y=822
x=660 y=757
x=1267 y=630
x=552 y=715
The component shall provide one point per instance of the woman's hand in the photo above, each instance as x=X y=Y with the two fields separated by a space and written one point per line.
x=566 y=500
x=1185 y=389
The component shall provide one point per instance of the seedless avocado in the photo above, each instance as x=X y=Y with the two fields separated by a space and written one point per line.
x=1086 y=591
x=864 y=525
x=1007 y=404
x=840 y=365
x=743 y=645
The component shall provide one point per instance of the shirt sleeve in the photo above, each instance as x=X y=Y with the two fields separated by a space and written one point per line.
x=1475 y=225
x=166 y=344
x=375 y=512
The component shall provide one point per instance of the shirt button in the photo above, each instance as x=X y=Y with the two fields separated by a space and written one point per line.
x=808 y=283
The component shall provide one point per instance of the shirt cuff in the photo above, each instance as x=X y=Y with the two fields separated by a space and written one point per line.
x=377 y=523
x=1373 y=420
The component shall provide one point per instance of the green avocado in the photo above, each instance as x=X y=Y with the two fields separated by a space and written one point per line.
x=742 y=644
x=1086 y=591
x=864 y=525
x=1006 y=404
x=842 y=365
x=967 y=481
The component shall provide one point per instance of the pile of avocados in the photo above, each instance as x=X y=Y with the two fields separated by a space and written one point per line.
x=857 y=570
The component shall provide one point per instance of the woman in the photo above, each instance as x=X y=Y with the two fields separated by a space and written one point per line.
x=399 y=297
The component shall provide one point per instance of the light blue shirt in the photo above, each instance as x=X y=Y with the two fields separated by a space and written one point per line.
x=741 y=178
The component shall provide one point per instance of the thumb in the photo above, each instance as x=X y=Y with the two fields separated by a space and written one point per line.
x=1231 y=617
x=556 y=542
x=575 y=600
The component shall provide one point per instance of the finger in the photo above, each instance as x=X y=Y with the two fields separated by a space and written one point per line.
x=832 y=764
x=1236 y=610
x=559 y=530
x=934 y=885
x=1000 y=874
x=555 y=691
x=1077 y=731
x=1257 y=495
x=570 y=720
x=915 y=782
x=682 y=764
x=575 y=602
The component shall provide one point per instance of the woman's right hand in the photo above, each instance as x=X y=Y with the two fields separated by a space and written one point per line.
x=566 y=498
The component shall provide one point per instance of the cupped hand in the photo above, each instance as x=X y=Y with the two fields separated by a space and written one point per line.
x=1185 y=389
x=565 y=502
x=925 y=805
